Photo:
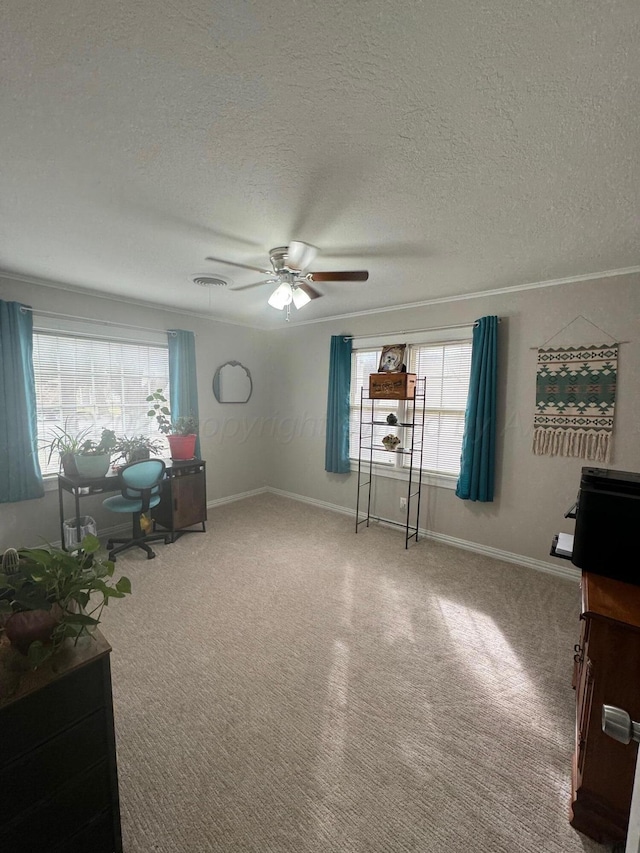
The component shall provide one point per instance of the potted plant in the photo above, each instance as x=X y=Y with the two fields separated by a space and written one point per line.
x=181 y=432
x=136 y=448
x=66 y=444
x=93 y=458
x=51 y=595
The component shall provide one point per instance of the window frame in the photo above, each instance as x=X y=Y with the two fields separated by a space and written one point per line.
x=88 y=331
x=398 y=467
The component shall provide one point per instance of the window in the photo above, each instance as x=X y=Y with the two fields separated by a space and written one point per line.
x=446 y=368
x=89 y=383
x=364 y=362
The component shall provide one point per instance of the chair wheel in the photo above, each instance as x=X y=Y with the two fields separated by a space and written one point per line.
x=151 y=555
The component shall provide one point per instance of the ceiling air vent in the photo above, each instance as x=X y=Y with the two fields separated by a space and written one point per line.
x=208 y=281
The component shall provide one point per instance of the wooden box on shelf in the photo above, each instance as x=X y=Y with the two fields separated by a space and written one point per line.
x=392 y=386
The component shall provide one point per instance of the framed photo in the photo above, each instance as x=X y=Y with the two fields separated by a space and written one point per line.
x=392 y=359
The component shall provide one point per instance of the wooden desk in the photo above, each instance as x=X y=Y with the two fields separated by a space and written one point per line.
x=606 y=671
x=183 y=500
x=58 y=774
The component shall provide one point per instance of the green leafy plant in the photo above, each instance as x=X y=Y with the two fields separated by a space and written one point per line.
x=159 y=409
x=136 y=447
x=74 y=586
x=64 y=442
x=106 y=444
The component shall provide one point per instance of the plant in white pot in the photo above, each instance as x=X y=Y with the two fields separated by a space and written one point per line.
x=65 y=443
x=94 y=457
x=181 y=432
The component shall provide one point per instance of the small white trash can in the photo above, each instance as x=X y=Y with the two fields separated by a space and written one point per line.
x=70 y=526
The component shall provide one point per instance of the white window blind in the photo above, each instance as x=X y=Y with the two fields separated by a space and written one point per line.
x=83 y=382
x=446 y=368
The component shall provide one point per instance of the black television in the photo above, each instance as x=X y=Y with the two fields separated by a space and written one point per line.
x=607 y=534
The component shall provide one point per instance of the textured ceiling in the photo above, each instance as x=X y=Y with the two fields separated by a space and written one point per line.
x=447 y=146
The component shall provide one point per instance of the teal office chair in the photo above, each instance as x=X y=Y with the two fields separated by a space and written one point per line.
x=140 y=484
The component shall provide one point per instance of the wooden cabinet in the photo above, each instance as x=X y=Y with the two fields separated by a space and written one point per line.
x=58 y=773
x=606 y=671
x=184 y=497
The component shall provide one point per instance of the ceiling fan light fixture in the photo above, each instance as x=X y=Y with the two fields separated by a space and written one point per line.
x=300 y=298
x=300 y=255
x=281 y=296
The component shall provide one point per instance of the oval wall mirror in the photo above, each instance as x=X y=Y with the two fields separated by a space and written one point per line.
x=232 y=383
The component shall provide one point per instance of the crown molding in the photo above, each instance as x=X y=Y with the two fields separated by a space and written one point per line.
x=460 y=297
x=100 y=294
x=440 y=300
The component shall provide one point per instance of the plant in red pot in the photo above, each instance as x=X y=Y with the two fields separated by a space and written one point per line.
x=181 y=432
x=51 y=596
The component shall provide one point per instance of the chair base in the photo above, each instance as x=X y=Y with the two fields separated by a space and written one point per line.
x=137 y=542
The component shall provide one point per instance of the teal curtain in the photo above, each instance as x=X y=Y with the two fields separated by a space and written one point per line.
x=477 y=461
x=183 y=377
x=337 y=442
x=20 y=475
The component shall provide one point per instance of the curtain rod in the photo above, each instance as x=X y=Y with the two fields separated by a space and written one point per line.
x=38 y=313
x=414 y=331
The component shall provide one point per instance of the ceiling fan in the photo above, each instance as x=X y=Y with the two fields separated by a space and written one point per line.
x=293 y=283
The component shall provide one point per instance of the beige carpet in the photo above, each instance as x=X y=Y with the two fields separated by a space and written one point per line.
x=283 y=685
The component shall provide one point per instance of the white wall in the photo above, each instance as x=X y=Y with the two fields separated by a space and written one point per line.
x=277 y=439
x=532 y=491
x=230 y=443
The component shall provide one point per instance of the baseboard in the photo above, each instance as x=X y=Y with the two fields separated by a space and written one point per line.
x=240 y=496
x=305 y=500
x=568 y=572
x=106 y=533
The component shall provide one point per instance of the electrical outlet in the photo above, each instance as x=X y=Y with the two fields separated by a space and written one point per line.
x=403 y=503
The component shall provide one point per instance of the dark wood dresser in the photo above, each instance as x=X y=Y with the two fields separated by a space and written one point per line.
x=606 y=671
x=58 y=773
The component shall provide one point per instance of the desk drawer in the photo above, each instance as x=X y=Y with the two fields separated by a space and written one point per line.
x=58 y=818
x=33 y=776
x=96 y=837
x=31 y=721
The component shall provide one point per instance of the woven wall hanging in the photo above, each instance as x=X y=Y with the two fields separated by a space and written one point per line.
x=575 y=400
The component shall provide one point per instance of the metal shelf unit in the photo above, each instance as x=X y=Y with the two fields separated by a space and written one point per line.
x=410 y=430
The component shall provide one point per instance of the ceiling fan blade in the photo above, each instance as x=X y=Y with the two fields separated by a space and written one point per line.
x=311 y=292
x=255 y=284
x=242 y=266
x=300 y=255
x=347 y=275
